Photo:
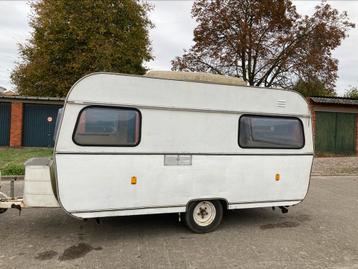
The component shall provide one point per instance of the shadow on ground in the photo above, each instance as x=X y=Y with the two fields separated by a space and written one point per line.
x=57 y=223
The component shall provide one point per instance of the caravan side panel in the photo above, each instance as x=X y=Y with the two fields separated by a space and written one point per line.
x=104 y=181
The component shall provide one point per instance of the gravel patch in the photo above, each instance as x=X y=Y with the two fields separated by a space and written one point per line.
x=335 y=166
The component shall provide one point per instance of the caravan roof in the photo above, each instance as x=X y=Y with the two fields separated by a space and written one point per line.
x=146 y=92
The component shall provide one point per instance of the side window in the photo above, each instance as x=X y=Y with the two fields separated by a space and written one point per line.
x=270 y=132
x=107 y=126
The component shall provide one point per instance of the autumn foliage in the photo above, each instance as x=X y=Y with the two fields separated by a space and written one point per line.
x=72 y=38
x=265 y=42
x=352 y=93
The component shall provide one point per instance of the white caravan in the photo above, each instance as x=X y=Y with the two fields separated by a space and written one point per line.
x=131 y=145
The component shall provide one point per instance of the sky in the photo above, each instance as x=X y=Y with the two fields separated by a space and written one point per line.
x=172 y=34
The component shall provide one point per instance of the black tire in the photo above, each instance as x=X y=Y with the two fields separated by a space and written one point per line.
x=199 y=219
x=3 y=210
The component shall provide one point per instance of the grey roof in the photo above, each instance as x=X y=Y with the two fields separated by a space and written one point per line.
x=32 y=98
x=335 y=100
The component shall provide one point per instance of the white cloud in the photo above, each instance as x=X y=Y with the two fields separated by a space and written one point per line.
x=173 y=31
x=14 y=29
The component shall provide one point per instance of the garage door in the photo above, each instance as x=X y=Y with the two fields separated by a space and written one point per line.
x=335 y=133
x=5 y=119
x=39 y=125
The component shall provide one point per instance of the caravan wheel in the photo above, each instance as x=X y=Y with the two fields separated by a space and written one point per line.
x=204 y=216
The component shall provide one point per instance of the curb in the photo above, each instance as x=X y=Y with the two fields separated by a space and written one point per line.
x=334 y=175
x=9 y=178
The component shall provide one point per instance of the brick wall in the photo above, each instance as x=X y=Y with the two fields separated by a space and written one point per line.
x=16 y=124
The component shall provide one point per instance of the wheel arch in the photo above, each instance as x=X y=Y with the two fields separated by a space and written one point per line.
x=223 y=201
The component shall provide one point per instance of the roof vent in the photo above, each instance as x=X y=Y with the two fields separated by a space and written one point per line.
x=281 y=103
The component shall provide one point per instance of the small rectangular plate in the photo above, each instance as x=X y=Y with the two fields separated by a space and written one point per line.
x=177 y=160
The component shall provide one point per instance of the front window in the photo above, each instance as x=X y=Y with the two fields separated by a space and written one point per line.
x=107 y=126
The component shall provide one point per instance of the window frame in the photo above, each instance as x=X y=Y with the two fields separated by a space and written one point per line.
x=108 y=145
x=275 y=117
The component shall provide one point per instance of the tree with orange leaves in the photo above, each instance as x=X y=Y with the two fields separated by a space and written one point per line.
x=266 y=43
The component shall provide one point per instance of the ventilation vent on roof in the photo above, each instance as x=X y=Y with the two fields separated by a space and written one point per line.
x=281 y=103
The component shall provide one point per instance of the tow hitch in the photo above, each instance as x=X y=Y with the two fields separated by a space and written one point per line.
x=11 y=201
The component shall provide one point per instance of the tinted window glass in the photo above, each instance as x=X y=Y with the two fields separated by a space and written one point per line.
x=103 y=126
x=270 y=132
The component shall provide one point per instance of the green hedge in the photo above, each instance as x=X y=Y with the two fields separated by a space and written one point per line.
x=12 y=160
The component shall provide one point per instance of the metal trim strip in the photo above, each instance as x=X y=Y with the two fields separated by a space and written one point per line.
x=173 y=206
x=184 y=153
x=138 y=106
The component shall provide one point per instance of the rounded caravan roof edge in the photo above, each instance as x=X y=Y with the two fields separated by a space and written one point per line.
x=196 y=77
x=183 y=81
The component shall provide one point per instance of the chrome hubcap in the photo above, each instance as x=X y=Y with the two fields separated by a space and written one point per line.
x=204 y=213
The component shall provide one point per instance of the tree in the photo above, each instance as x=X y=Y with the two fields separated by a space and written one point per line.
x=352 y=93
x=266 y=43
x=72 y=38
x=312 y=87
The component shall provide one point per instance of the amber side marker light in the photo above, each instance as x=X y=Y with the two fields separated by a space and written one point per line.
x=134 y=180
x=277 y=177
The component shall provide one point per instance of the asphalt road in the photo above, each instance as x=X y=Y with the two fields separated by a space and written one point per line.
x=321 y=232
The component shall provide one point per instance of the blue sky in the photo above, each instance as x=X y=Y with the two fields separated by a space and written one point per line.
x=173 y=32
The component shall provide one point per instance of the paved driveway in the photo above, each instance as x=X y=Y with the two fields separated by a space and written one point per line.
x=322 y=232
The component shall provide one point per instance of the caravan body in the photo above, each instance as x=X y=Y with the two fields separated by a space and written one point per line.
x=130 y=145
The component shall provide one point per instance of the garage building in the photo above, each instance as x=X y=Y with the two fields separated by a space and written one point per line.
x=335 y=125
x=28 y=121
